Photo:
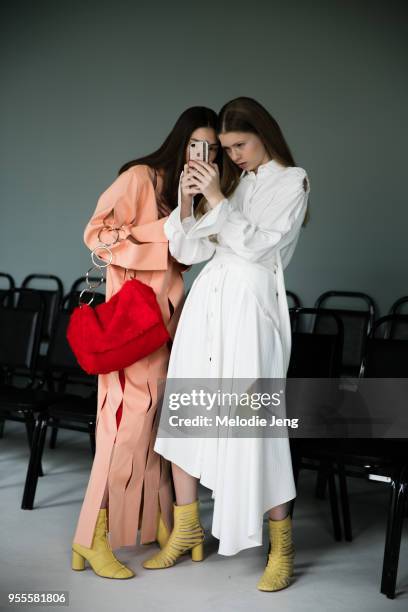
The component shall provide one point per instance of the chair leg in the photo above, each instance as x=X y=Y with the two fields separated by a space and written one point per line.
x=33 y=470
x=62 y=383
x=53 y=438
x=321 y=484
x=50 y=383
x=398 y=497
x=292 y=508
x=296 y=464
x=333 y=502
x=29 y=423
x=344 y=500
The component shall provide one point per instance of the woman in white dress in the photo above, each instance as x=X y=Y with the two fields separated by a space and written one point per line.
x=235 y=325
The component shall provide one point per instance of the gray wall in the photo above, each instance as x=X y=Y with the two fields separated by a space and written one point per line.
x=88 y=85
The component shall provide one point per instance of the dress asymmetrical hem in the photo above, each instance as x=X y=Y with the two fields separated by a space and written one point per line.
x=238 y=315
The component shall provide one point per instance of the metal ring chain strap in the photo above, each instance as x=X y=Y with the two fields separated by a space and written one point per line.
x=99 y=263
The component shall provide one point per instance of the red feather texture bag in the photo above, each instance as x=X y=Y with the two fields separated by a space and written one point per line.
x=119 y=332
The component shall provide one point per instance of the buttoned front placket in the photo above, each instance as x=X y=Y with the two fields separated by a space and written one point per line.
x=275 y=270
x=213 y=312
x=246 y=204
x=255 y=183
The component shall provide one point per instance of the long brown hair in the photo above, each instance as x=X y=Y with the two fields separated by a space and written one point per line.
x=247 y=115
x=170 y=156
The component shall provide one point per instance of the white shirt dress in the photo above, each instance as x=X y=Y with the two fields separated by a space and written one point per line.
x=235 y=324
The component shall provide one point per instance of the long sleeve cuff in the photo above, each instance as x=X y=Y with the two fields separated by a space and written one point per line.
x=211 y=222
x=150 y=232
x=186 y=250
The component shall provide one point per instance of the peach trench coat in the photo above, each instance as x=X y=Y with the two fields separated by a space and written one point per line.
x=139 y=479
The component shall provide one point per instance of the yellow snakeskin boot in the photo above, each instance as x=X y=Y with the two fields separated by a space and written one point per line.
x=187 y=535
x=279 y=568
x=100 y=556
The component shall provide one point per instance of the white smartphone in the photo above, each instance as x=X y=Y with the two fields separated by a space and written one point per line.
x=198 y=151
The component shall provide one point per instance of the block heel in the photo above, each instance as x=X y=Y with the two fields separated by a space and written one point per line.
x=78 y=561
x=197 y=553
x=187 y=536
x=100 y=556
x=280 y=567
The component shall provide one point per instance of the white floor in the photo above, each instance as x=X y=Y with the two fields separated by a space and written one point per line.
x=329 y=576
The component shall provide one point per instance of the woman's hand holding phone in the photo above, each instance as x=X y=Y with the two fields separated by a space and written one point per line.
x=188 y=185
x=188 y=190
x=203 y=177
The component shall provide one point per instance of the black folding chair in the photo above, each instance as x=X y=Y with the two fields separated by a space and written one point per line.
x=6 y=302
x=66 y=409
x=387 y=357
x=10 y=285
x=397 y=329
x=400 y=306
x=52 y=298
x=57 y=377
x=357 y=323
x=316 y=355
x=20 y=333
x=64 y=366
x=293 y=300
x=378 y=459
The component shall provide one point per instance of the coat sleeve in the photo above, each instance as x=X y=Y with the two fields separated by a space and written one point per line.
x=277 y=226
x=184 y=248
x=140 y=246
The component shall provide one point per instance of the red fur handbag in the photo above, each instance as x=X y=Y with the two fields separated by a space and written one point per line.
x=116 y=334
x=119 y=332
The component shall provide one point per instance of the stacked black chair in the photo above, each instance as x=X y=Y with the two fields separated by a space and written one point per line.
x=379 y=459
x=7 y=301
x=293 y=299
x=67 y=369
x=385 y=460
x=396 y=329
x=58 y=377
x=68 y=407
x=293 y=302
x=400 y=306
x=10 y=285
x=314 y=356
x=20 y=333
x=52 y=298
x=357 y=323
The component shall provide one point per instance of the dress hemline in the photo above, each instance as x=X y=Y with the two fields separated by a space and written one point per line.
x=213 y=494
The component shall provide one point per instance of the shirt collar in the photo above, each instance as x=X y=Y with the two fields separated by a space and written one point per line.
x=270 y=167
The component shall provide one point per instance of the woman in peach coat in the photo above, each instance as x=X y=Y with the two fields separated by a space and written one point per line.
x=130 y=485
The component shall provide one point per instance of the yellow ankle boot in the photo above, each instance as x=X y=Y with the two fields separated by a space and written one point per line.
x=100 y=556
x=162 y=533
x=187 y=534
x=279 y=568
